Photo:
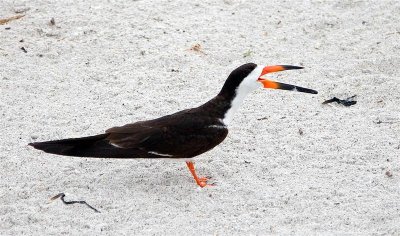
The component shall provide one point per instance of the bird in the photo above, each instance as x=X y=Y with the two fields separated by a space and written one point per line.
x=182 y=135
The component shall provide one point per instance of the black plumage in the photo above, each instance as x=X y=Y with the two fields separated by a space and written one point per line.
x=184 y=134
x=181 y=135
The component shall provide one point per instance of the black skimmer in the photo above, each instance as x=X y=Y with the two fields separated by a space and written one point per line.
x=182 y=135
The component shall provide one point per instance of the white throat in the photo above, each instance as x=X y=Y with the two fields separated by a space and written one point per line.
x=248 y=85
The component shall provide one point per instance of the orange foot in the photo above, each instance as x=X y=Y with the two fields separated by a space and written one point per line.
x=201 y=181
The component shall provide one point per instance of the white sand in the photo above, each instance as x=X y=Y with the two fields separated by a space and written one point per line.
x=87 y=73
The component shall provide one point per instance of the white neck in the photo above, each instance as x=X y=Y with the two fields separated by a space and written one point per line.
x=248 y=85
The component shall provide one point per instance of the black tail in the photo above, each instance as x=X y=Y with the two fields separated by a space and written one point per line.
x=72 y=146
x=91 y=146
x=96 y=146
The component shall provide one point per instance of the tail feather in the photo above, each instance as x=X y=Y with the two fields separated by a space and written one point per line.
x=91 y=146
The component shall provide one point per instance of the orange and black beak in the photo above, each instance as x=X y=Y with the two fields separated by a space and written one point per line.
x=277 y=85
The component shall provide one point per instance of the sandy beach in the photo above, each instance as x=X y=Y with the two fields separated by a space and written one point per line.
x=289 y=166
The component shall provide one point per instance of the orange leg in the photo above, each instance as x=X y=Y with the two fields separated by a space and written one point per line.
x=202 y=181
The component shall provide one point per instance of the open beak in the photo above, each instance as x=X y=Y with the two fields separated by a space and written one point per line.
x=277 y=85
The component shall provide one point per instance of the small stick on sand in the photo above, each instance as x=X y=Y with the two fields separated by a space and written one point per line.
x=386 y=122
x=62 y=195
x=345 y=102
x=6 y=20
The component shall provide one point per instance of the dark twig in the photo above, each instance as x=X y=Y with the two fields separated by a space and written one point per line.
x=264 y=118
x=386 y=122
x=62 y=195
x=345 y=102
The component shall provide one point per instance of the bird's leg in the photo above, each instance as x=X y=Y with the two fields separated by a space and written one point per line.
x=202 y=182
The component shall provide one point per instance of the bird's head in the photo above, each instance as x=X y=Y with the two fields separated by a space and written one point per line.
x=249 y=77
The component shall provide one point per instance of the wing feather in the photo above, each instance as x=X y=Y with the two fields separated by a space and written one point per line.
x=178 y=135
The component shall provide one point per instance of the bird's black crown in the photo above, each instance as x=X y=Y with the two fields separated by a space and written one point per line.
x=235 y=78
